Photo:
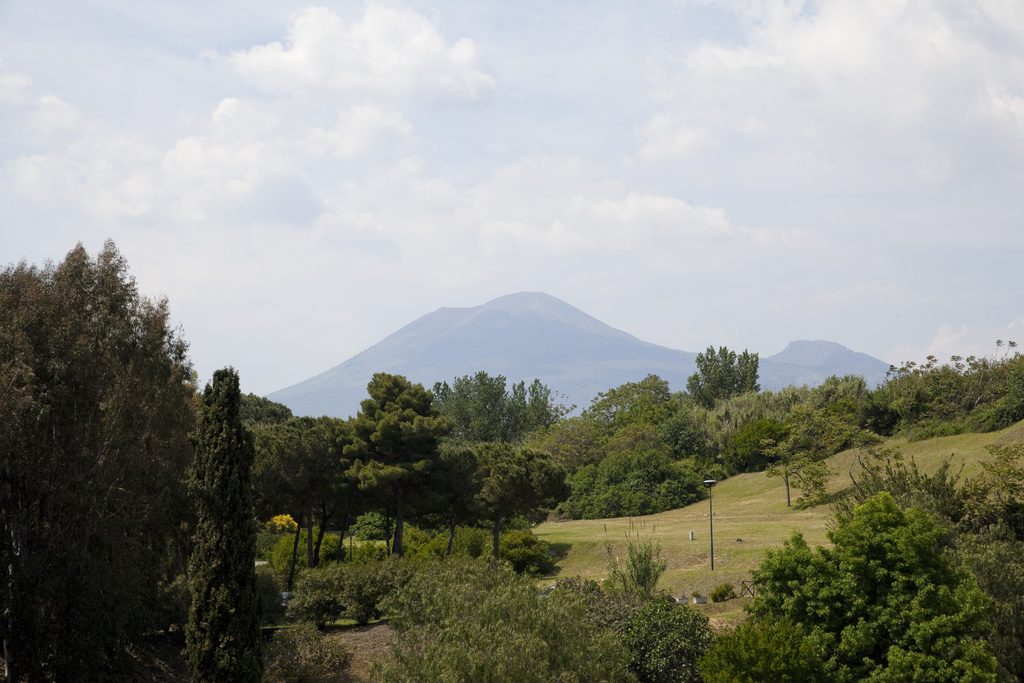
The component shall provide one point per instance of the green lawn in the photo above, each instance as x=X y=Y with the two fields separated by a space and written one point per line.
x=750 y=507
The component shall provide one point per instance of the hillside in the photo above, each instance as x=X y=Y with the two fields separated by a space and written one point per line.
x=750 y=507
x=533 y=335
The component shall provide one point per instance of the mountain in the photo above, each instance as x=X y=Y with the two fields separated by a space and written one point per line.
x=809 y=362
x=528 y=335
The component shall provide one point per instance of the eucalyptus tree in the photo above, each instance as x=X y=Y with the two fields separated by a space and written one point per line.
x=96 y=403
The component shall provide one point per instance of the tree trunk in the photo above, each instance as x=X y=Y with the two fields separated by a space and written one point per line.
x=451 y=538
x=497 y=534
x=309 y=537
x=785 y=478
x=344 y=528
x=295 y=554
x=398 y=524
x=324 y=518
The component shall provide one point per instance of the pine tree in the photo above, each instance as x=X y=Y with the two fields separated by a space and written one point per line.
x=223 y=635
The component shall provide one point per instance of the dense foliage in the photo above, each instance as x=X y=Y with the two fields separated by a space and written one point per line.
x=463 y=621
x=223 y=635
x=885 y=602
x=96 y=402
x=762 y=651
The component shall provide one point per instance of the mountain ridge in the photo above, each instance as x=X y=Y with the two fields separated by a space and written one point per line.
x=529 y=335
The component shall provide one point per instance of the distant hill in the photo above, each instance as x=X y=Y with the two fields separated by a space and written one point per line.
x=809 y=362
x=528 y=335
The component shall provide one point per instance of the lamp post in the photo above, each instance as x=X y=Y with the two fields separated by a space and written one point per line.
x=711 y=520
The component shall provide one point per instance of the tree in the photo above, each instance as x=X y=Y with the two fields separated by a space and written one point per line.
x=482 y=410
x=721 y=375
x=645 y=402
x=223 y=638
x=394 y=446
x=96 y=402
x=516 y=482
x=666 y=641
x=812 y=436
x=750 y=447
x=774 y=651
x=884 y=602
x=260 y=410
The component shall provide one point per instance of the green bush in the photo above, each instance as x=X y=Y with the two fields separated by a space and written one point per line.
x=304 y=655
x=349 y=590
x=767 y=651
x=369 y=553
x=666 y=641
x=525 y=553
x=749 y=446
x=461 y=621
x=280 y=557
x=370 y=527
x=723 y=592
x=640 y=482
x=266 y=541
x=319 y=594
x=641 y=571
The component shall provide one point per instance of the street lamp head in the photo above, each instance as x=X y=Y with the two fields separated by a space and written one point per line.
x=710 y=482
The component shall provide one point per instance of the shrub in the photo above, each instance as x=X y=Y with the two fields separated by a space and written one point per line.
x=525 y=553
x=304 y=655
x=461 y=621
x=354 y=591
x=281 y=524
x=280 y=558
x=666 y=642
x=319 y=594
x=642 y=570
x=723 y=592
x=767 y=651
x=369 y=553
x=748 y=450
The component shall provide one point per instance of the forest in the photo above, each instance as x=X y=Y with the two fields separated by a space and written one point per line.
x=144 y=514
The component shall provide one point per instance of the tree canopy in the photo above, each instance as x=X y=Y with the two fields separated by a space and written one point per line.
x=394 y=446
x=722 y=374
x=884 y=602
x=483 y=410
x=96 y=402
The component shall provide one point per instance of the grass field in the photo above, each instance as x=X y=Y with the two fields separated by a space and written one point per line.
x=750 y=517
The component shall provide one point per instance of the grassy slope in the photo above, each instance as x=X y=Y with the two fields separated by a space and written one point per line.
x=750 y=507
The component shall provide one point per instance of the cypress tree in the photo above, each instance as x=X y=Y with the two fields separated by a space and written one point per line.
x=223 y=635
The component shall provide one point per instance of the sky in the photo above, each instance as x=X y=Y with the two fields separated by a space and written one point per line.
x=301 y=180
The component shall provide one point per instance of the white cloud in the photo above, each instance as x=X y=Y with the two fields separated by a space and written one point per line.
x=54 y=115
x=358 y=130
x=871 y=88
x=389 y=51
x=13 y=86
x=668 y=137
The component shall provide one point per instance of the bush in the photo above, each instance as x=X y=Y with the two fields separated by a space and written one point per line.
x=266 y=542
x=280 y=557
x=281 y=524
x=748 y=451
x=642 y=570
x=469 y=541
x=525 y=553
x=319 y=594
x=369 y=553
x=758 y=652
x=461 y=621
x=640 y=482
x=304 y=655
x=723 y=592
x=666 y=642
